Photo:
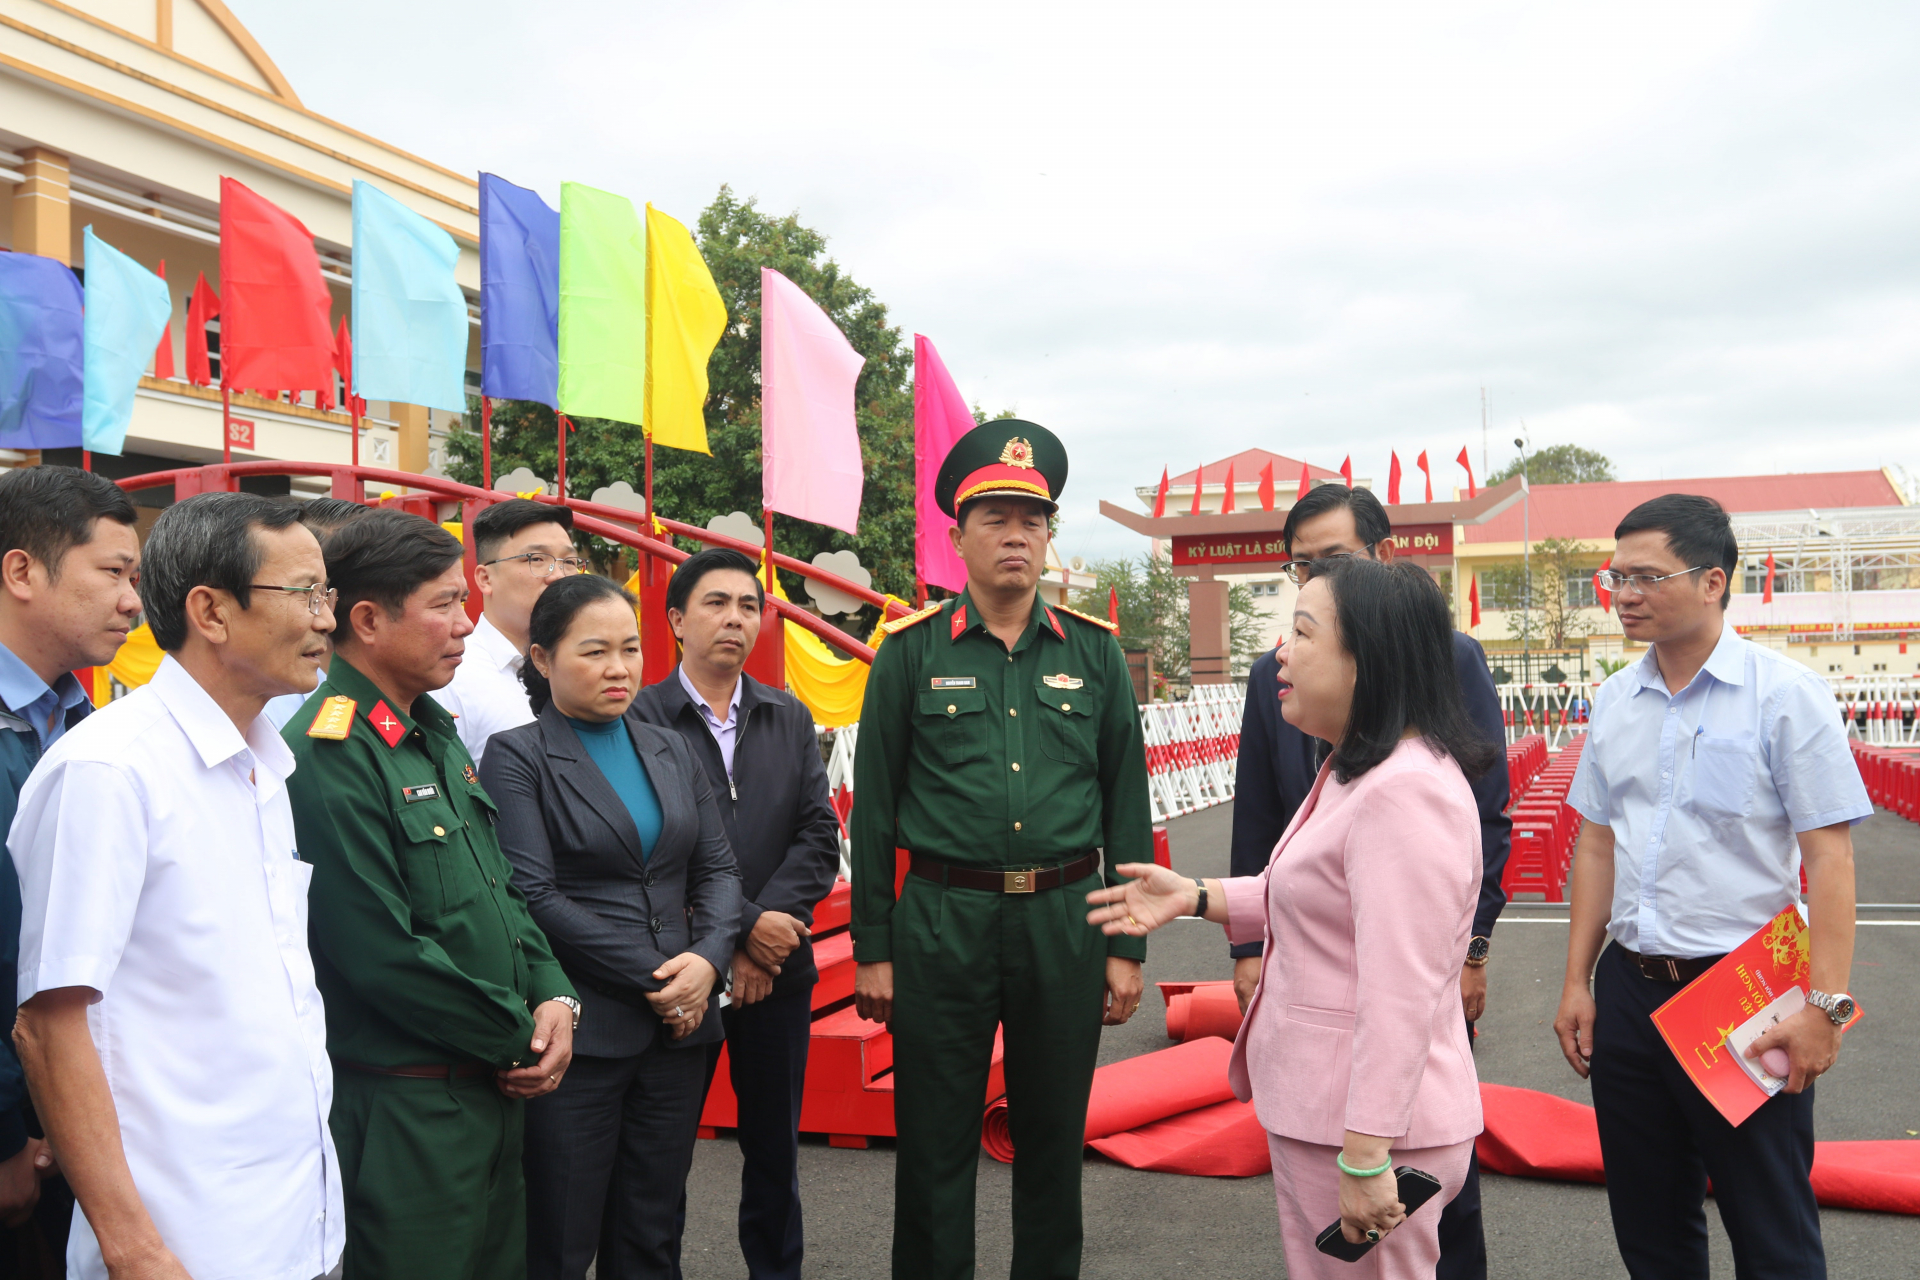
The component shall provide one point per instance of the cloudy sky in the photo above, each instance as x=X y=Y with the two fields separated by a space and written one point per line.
x=1685 y=235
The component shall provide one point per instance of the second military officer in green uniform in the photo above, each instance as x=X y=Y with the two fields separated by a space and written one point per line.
x=445 y=1007
x=1000 y=745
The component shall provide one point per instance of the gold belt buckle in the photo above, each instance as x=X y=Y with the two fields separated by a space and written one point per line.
x=1018 y=881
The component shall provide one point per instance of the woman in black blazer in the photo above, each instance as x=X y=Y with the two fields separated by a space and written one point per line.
x=615 y=839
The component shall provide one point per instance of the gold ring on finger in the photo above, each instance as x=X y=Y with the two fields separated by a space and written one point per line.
x=1133 y=922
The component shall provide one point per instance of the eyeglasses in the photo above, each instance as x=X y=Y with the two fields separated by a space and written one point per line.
x=1641 y=584
x=1302 y=571
x=542 y=565
x=317 y=595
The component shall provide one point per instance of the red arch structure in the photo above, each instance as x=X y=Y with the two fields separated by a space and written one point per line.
x=446 y=500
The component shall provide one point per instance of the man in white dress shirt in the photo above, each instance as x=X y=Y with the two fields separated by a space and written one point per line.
x=172 y=1035
x=1714 y=770
x=521 y=546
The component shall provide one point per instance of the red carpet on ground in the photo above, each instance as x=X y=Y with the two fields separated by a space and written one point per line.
x=1199 y=1009
x=1136 y=1092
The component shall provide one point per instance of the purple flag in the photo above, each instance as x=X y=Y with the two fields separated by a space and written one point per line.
x=807 y=373
x=41 y=344
x=940 y=418
x=519 y=294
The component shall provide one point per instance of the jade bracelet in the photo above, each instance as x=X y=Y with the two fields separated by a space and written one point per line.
x=1340 y=1158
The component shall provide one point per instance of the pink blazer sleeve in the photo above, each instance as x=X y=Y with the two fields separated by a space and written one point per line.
x=1407 y=914
x=1246 y=908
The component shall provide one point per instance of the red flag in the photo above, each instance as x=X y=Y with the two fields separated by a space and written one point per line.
x=274 y=330
x=1113 y=605
x=1266 y=487
x=1346 y=471
x=1226 y=503
x=343 y=359
x=1605 y=596
x=1393 y=481
x=1306 y=483
x=1159 y=499
x=1473 y=599
x=1463 y=461
x=1199 y=487
x=163 y=354
x=1766 y=589
x=1427 y=471
x=202 y=305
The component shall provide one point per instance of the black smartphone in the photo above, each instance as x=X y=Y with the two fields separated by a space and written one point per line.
x=1416 y=1188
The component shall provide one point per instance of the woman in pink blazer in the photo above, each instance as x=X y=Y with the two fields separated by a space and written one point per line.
x=1352 y=1050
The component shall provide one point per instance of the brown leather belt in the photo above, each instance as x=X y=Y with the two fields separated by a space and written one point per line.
x=1669 y=968
x=1032 y=880
x=457 y=1071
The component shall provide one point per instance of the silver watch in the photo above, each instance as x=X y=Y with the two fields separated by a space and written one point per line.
x=1839 y=1008
x=572 y=1004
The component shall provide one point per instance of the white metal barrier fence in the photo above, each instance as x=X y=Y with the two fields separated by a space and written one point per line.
x=1878 y=709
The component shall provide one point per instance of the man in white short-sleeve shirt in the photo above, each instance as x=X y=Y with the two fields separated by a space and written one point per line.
x=1713 y=771
x=169 y=1024
x=521 y=546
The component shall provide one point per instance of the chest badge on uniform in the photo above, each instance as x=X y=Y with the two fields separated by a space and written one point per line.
x=1062 y=681
x=386 y=724
x=413 y=795
x=952 y=682
x=473 y=779
x=334 y=720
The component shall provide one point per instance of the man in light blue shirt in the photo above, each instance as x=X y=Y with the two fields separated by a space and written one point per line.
x=1713 y=771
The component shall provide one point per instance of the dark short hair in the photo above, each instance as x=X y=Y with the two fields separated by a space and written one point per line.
x=205 y=541
x=327 y=516
x=502 y=520
x=1394 y=621
x=1369 y=517
x=553 y=613
x=47 y=511
x=1697 y=529
x=686 y=578
x=384 y=556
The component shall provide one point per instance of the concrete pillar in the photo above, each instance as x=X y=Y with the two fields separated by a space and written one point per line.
x=42 y=206
x=412 y=420
x=1209 y=646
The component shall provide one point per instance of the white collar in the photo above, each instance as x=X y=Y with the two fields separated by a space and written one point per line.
x=733 y=705
x=493 y=642
x=213 y=734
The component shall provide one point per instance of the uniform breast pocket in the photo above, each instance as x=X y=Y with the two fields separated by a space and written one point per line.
x=439 y=872
x=1066 y=725
x=1724 y=776
x=954 y=723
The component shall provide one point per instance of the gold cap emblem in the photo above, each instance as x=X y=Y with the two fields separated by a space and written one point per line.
x=1018 y=453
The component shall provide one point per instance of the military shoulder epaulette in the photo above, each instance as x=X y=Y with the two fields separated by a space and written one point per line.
x=901 y=624
x=1087 y=617
x=334 y=719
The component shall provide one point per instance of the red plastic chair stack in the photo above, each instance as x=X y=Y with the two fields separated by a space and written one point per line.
x=1892 y=776
x=1545 y=826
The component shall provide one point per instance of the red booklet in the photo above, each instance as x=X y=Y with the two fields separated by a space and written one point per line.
x=1702 y=1024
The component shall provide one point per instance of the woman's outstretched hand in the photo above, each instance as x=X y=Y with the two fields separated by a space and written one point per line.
x=1152 y=896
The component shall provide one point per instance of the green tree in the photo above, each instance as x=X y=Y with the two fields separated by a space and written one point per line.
x=737 y=239
x=1153 y=614
x=1559 y=464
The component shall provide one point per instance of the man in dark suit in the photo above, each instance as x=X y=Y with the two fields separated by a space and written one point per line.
x=758 y=747
x=1277 y=767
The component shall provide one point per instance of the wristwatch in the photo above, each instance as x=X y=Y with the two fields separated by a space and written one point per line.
x=1200 y=906
x=1477 y=949
x=572 y=1004
x=1839 y=1008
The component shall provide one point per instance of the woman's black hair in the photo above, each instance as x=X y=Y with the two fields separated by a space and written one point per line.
x=553 y=613
x=1394 y=621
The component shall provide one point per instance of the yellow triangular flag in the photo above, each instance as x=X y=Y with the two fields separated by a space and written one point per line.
x=685 y=319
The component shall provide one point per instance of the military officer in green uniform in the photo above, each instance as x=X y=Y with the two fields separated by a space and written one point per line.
x=445 y=1007
x=1000 y=746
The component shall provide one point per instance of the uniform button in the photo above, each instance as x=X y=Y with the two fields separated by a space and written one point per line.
x=1016 y=766
x=951 y=708
x=1013 y=711
x=518 y=942
x=492 y=883
x=1016 y=826
x=439 y=831
x=1066 y=706
x=654 y=924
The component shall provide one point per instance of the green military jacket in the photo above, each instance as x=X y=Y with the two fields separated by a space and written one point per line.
x=422 y=948
x=998 y=760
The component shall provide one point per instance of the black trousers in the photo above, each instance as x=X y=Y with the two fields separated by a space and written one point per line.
x=1661 y=1141
x=606 y=1163
x=1463 y=1237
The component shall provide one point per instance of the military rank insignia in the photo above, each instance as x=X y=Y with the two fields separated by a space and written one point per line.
x=386 y=724
x=1062 y=681
x=334 y=721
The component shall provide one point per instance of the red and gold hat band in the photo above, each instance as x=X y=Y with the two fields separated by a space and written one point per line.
x=1000 y=478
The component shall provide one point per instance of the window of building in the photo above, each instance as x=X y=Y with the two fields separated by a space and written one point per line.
x=1580 y=592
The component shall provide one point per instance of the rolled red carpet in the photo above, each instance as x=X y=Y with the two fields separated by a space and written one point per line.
x=1209 y=1009
x=1127 y=1095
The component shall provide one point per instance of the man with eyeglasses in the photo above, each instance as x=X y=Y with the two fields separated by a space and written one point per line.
x=1276 y=770
x=1715 y=770
x=521 y=546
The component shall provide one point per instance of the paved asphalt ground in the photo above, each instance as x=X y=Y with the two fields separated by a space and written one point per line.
x=1159 y=1225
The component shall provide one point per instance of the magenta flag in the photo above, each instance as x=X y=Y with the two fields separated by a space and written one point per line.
x=940 y=418
x=810 y=445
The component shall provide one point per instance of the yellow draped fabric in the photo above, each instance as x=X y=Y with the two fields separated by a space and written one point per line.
x=137 y=660
x=685 y=318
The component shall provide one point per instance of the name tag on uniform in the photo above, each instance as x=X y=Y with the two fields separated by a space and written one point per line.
x=413 y=795
x=953 y=682
x=1062 y=682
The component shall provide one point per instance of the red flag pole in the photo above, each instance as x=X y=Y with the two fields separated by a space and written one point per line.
x=86 y=459
x=486 y=442
x=226 y=422
x=565 y=427
x=768 y=511
x=353 y=410
x=649 y=479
